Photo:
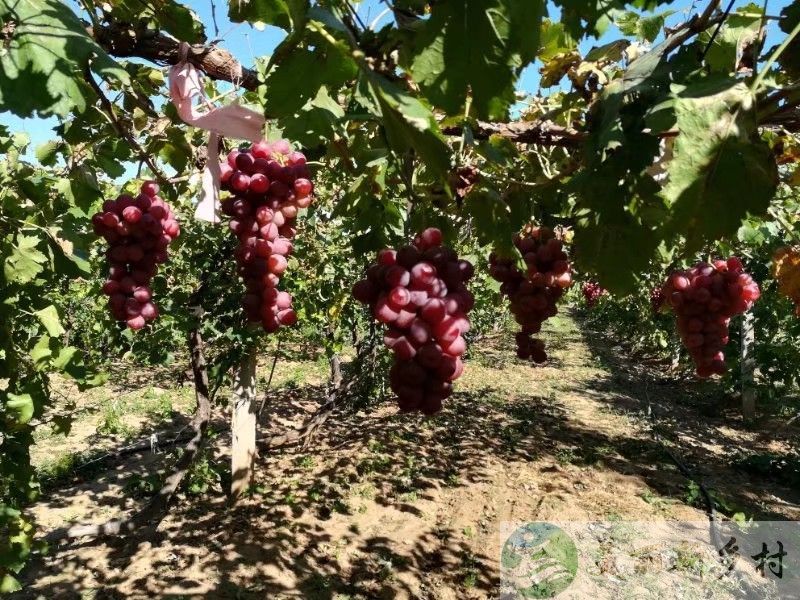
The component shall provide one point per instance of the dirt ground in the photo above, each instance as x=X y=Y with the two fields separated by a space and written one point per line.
x=393 y=506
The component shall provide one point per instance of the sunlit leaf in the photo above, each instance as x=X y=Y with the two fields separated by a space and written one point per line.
x=477 y=47
x=721 y=170
x=42 y=61
x=20 y=407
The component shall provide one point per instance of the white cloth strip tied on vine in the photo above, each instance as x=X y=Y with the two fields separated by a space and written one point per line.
x=232 y=121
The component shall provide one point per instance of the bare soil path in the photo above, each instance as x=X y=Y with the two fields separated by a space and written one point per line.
x=390 y=506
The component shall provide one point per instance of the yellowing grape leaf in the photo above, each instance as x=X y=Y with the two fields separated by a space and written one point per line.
x=721 y=170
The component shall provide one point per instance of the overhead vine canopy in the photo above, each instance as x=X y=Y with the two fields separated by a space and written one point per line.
x=657 y=128
x=645 y=149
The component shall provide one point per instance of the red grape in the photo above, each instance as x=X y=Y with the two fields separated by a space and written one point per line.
x=704 y=298
x=264 y=214
x=592 y=292
x=136 y=245
x=534 y=293
x=411 y=290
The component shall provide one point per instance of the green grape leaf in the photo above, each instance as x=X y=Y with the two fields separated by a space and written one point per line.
x=81 y=189
x=166 y=15
x=554 y=40
x=477 y=46
x=734 y=40
x=25 y=261
x=409 y=124
x=175 y=151
x=327 y=64
x=51 y=321
x=493 y=219
x=644 y=27
x=607 y=53
x=721 y=170
x=65 y=361
x=46 y=153
x=41 y=351
x=178 y=20
x=286 y=14
x=9 y=584
x=617 y=202
x=790 y=58
x=316 y=121
x=614 y=247
x=20 y=407
x=650 y=26
x=43 y=58
x=628 y=22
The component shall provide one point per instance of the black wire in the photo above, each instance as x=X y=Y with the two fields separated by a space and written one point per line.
x=716 y=30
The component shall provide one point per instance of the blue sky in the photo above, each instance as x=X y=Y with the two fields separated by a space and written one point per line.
x=246 y=43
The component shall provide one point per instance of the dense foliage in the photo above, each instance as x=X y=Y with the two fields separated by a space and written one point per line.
x=651 y=158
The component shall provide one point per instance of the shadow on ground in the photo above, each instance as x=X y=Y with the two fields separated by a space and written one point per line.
x=308 y=528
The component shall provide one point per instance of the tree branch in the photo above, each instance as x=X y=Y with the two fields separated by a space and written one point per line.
x=221 y=65
x=541 y=132
x=161 y=48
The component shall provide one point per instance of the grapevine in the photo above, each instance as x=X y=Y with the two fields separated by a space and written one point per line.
x=138 y=230
x=269 y=184
x=592 y=292
x=534 y=293
x=704 y=299
x=786 y=270
x=419 y=292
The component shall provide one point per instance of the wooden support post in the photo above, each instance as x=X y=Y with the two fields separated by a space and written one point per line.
x=748 y=368
x=243 y=426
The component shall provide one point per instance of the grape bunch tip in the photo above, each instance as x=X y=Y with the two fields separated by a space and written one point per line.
x=138 y=230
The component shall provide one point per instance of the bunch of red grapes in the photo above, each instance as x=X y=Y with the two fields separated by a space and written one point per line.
x=592 y=292
x=270 y=184
x=419 y=291
x=138 y=231
x=533 y=293
x=656 y=299
x=705 y=298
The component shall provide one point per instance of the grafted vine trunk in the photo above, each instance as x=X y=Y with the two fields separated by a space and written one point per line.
x=336 y=370
x=748 y=367
x=243 y=425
